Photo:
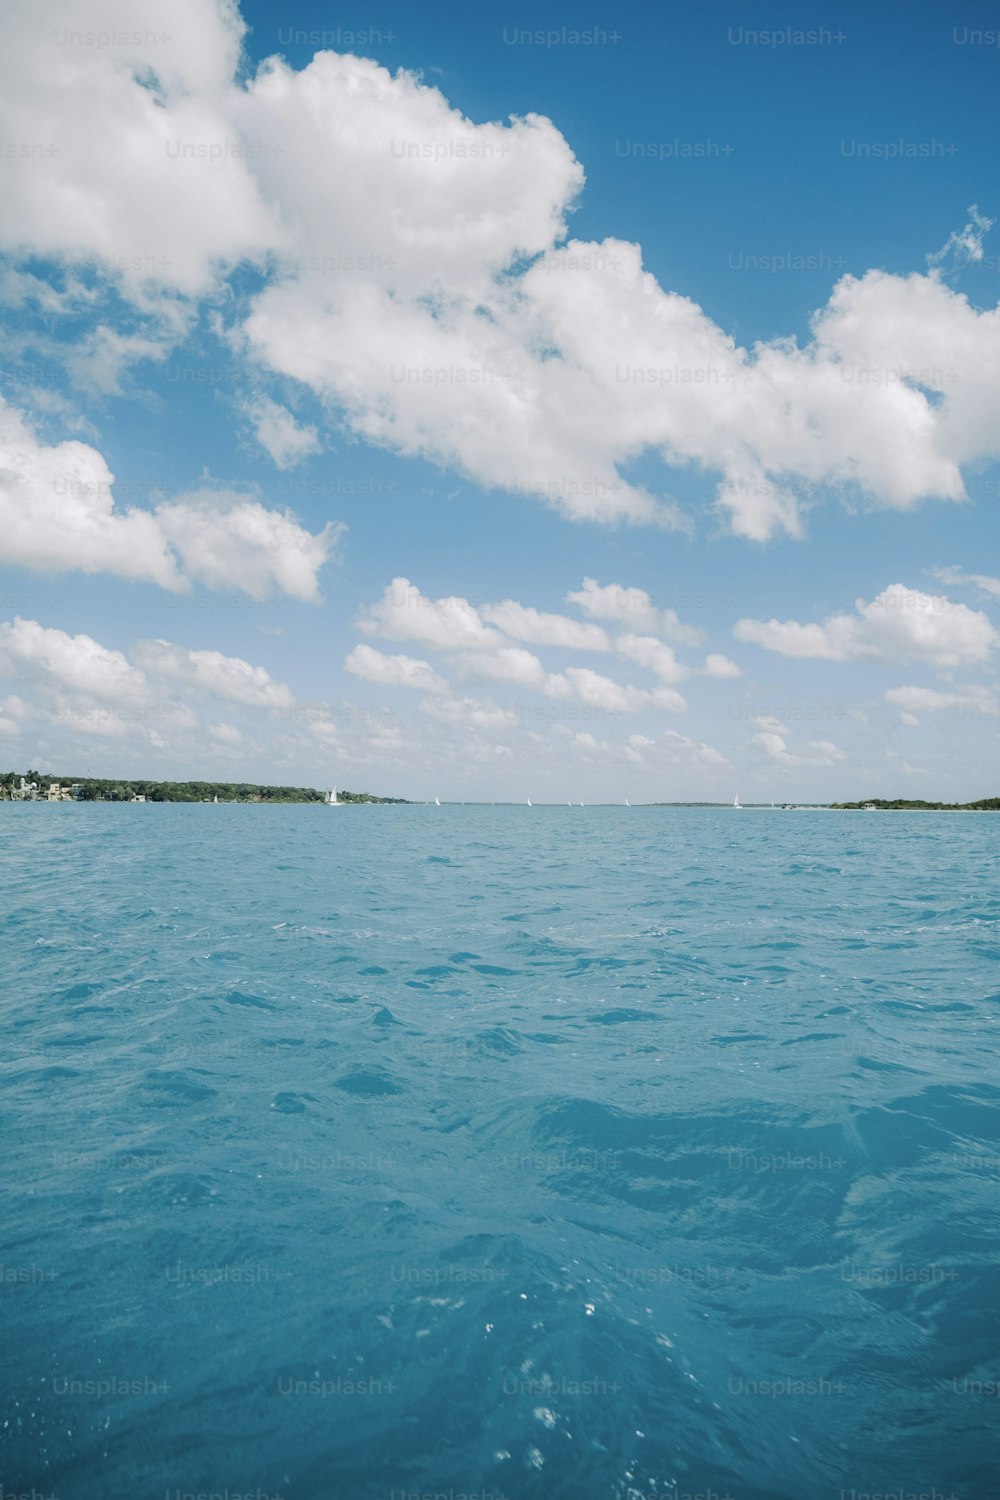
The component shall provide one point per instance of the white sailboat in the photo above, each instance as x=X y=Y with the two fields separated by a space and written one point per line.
x=437 y=801
x=737 y=802
x=331 y=798
x=530 y=803
x=627 y=802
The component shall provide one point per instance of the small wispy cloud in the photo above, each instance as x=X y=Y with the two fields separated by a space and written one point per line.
x=963 y=247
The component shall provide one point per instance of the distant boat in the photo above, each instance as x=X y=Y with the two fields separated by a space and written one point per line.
x=437 y=801
x=627 y=802
x=215 y=799
x=331 y=798
x=530 y=803
x=737 y=802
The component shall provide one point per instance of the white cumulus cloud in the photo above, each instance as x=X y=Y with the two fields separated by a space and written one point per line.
x=647 y=651
x=57 y=511
x=279 y=434
x=601 y=692
x=226 y=540
x=58 y=514
x=901 y=624
x=211 y=672
x=717 y=665
x=405 y=614
x=526 y=624
x=817 y=752
x=510 y=664
x=394 y=671
x=454 y=321
x=632 y=607
x=75 y=662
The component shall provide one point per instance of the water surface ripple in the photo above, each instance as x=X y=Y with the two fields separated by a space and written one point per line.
x=542 y=1152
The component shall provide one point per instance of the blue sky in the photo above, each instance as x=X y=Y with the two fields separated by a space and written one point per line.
x=335 y=367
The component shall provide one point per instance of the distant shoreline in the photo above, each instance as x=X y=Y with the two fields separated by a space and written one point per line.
x=878 y=804
x=35 y=786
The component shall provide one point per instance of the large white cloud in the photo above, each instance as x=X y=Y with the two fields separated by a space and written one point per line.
x=509 y=664
x=901 y=624
x=393 y=671
x=405 y=614
x=636 y=368
x=135 y=161
x=72 y=686
x=58 y=513
x=526 y=624
x=635 y=609
x=227 y=540
x=451 y=320
x=74 y=662
x=211 y=672
x=604 y=694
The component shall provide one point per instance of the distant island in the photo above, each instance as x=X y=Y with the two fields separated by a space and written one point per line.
x=34 y=786
x=903 y=804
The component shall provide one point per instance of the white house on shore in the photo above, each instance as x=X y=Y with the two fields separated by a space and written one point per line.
x=30 y=791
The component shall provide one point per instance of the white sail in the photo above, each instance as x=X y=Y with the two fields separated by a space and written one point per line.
x=736 y=801
x=331 y=800
x=437 y=801
x=530 y=803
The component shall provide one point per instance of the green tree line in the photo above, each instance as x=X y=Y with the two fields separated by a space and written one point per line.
x=101 y=789
x=903 y=804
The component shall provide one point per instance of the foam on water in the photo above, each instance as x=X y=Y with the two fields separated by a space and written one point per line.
x=528 y=1152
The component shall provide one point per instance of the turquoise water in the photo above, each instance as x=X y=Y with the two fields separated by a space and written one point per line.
x=551 y=1153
